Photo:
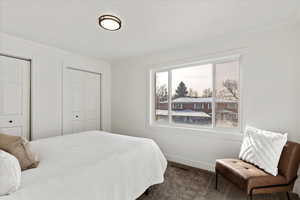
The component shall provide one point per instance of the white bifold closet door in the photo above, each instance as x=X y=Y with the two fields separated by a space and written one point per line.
x=82 y=101
x=14 y=96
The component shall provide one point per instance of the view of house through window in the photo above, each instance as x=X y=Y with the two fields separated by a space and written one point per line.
x=201 y=95
x=227 y=94
x=161 y=97
x=192 y=88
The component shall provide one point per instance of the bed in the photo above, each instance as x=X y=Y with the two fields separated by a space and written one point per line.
x=92 y=165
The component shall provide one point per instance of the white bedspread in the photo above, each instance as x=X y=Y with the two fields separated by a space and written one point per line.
x=92 y=166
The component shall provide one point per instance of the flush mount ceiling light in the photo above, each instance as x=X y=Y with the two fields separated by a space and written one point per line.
x=110 y=22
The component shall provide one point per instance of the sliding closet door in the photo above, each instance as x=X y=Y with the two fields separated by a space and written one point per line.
x=81 y=101
x=92 y=101
x=14 y=96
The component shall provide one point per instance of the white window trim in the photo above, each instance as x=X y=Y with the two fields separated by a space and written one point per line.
x=167 y=68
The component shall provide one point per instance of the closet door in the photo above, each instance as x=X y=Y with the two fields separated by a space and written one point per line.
x=92 y=101
x=81 y=101
x=14 y=96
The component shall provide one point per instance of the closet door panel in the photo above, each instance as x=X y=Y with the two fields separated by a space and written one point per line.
x=81 y=101
x=16 y=131
x=12 y=99
x=92 y=106
x=14 y=96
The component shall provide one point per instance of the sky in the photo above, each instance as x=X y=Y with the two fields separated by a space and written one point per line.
x=199 y=77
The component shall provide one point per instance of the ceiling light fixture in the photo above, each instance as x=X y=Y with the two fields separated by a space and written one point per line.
x=110 y=22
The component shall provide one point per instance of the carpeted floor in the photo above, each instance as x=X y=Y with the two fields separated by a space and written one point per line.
x=187 y=183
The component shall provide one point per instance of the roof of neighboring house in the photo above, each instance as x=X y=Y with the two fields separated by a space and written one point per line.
x=183 y=113
x=191 y=100
x=200 y=100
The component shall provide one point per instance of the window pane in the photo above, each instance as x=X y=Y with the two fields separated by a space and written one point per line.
x=161 y=97
x=227 y=94
x=192 y=95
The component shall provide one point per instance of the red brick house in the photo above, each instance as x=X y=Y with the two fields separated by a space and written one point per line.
x=198 y=110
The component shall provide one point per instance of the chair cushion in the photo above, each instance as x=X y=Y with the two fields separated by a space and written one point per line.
x=246 y=175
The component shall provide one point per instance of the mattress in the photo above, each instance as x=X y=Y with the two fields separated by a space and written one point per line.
x=92 y=165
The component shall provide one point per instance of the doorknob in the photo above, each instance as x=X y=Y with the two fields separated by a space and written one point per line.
x=10 y=121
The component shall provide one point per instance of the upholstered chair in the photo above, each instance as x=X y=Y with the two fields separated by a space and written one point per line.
x=253 y=180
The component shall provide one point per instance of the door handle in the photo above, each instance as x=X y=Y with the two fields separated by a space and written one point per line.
x=10 y=121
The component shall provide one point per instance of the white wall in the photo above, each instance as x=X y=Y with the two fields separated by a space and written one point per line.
x=47 y=64
x=270 y=81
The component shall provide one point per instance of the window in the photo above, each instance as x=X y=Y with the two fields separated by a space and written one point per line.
x=198 y=106
x=227 y=94
x=191 y=85
x=177 y=106
x=161 y=97
x=199 y=95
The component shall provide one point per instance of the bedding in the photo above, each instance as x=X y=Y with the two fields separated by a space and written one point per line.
x=92 y=165
x=10 y=173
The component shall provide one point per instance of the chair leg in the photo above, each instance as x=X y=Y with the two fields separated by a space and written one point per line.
x=250 y=196
x=216 y=186
x=288 y=195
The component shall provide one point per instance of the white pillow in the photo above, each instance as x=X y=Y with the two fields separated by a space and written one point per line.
x=263 y=148
x=10 y=173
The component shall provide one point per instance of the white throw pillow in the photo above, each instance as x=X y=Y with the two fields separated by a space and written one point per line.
x=10 y=173
x=263 y=148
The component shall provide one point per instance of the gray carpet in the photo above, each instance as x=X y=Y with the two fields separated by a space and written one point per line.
x=187 y=183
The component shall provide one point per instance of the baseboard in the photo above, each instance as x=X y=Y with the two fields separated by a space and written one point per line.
x=192 y=163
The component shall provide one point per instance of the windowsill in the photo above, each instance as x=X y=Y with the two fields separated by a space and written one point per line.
x=231 y=134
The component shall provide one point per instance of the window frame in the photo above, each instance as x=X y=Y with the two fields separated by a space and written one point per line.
x=214 y=61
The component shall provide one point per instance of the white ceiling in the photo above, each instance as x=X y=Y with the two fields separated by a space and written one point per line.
x=148 y=25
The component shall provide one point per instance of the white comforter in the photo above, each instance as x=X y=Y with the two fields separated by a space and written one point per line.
x=92 y=166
